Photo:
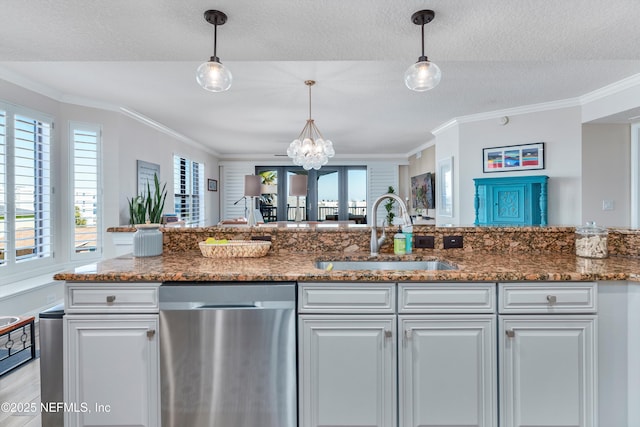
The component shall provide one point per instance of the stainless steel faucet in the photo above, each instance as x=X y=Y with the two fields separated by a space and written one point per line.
x=375 y=241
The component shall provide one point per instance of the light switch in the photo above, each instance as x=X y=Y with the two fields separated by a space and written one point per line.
x=607 y=205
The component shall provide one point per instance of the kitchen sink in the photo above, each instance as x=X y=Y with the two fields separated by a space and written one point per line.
x=384 y=265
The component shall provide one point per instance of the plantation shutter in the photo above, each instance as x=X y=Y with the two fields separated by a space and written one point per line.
x=86 y=195
x=379 y=177
x=32 y=175
x=188 y=189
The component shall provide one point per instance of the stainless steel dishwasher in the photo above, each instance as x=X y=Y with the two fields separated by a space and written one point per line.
x=228 y=354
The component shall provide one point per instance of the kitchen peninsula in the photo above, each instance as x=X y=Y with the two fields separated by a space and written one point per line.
x=514 y=291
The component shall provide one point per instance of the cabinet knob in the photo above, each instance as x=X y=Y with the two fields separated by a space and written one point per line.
x=387 y=333
x=552 y=299
x=408 y=334
x=111 y=298
x=151 y=333
x=510 y=333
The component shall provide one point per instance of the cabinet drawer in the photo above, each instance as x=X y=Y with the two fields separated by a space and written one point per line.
x=346 y=298
x=100 y=298
x=547 y=297
x=446 y=298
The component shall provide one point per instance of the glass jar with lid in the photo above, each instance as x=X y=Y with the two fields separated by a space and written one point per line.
x=591 y=241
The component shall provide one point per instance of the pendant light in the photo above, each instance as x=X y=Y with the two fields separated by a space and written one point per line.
x=212 y=75
x=310 y=150
x=424 y=74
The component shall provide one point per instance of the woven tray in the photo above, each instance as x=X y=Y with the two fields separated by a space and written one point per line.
x=235 y=249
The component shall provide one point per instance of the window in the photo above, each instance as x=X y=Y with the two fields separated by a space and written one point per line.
x=25 y=187
x=86 y=195
x=334 y=193
x=188 y=189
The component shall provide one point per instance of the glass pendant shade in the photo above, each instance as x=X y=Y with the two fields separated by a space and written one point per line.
x=213 y=76
x=423 y=75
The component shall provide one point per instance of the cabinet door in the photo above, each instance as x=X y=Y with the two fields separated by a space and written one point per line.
x=547 y=371
x=347 y=368
x=509 y=204
x=448 y=371
x=111 y=370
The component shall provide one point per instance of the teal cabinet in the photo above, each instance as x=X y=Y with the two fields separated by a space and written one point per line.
x=511 y=201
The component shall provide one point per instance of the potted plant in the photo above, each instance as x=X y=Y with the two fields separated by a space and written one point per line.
x=137 y=210
x=155 y=202
x=388 y=205
x=149 y=206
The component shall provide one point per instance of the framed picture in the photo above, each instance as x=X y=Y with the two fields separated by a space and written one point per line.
x=444 y=179
x=212 y=185
x=422 y=191
x=145 y=174
x=513 y=158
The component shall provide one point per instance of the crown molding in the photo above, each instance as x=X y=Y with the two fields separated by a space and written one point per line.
x=612 y=89
x=164 y=129
x=430 y=143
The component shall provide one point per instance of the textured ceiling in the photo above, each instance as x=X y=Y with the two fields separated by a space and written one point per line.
x=141 y=55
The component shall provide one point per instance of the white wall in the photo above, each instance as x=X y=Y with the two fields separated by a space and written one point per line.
x=448 y=145
x=606 y=168
x=141 y=142
x=559 y=129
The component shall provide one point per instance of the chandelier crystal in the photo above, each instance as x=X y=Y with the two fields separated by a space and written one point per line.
x=310 y=149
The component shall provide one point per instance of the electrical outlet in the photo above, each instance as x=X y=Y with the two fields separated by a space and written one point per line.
x=426 y=242
x=607 y=205
x=451 y=242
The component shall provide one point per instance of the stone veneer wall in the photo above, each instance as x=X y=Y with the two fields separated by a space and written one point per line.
x=356 y=239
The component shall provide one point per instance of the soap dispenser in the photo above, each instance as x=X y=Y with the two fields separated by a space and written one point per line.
x=399 y=243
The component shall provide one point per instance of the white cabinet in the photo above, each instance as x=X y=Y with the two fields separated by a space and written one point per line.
x=446 y=362
x=347 y=371
x=111 y=361
x=447 y=371
x=548 y=363
x=447 y=355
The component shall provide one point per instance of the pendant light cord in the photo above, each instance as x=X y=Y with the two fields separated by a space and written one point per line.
x=215 y=41
x=309 y=102
x=422 y=39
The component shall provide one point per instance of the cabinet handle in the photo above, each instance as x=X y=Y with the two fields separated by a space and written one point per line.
x=408 y=334
x=387 y=333
x=510 y=333
x=151 y=333
x=111 y=298
x=552 y=299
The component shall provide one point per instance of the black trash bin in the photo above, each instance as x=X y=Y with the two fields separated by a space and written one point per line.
x=51 y=376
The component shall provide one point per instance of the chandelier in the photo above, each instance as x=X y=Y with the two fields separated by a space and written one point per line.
x=310 y=150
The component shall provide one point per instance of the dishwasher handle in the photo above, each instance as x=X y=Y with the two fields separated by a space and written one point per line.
x=226 y=306
x=203 y=305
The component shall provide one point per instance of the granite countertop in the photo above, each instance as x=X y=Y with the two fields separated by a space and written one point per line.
x=494 y=267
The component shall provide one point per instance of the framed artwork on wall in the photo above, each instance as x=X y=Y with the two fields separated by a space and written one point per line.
x=422 y=191
x=513 y=158
x=444 y=177
x=145 y=173
x=212 y=185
